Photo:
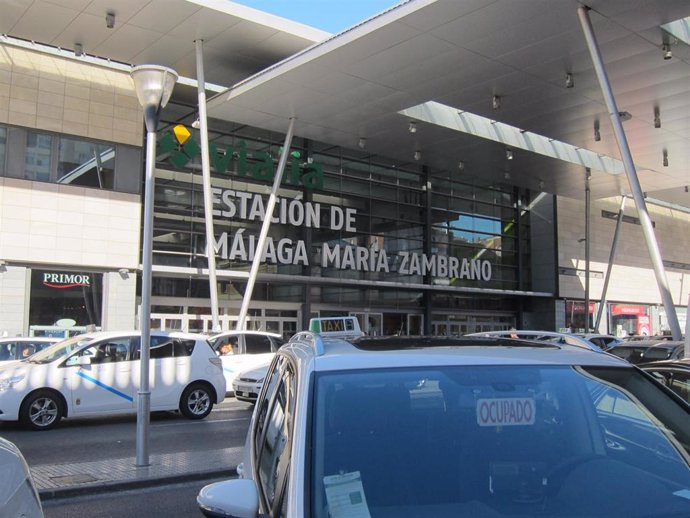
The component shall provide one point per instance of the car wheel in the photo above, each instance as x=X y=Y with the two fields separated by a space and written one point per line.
x=196 y=401
x=42 y=410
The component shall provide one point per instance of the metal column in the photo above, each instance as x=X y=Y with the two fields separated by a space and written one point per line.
x=261 y=244
x=612 y=256
x=631 y=173
x=588 y=196
x=206 y=185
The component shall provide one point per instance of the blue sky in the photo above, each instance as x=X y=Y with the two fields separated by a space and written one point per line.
x=327 y=15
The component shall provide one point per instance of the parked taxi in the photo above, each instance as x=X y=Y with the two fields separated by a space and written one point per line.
x=98 y=374
x=458 y=426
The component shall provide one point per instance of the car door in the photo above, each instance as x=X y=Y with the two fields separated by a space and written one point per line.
x=272 y=437
x=258 y=350
x=168 y=374
x=103 y=381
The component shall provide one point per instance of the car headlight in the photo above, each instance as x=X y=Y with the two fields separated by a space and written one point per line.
x=8 y=383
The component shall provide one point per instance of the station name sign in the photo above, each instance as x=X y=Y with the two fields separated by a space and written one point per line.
x=339 y=254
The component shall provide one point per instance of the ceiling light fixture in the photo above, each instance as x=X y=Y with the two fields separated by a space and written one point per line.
x=665 y=161
x=417 y=155
x=412 y=127
x=110 y=20
x=78 y=49
x=569 y=82
x=597 y=134
x=362 y=142
x=624 y=116
x=509 y=154
x=666 y=49
x=496 y=102
x=197 y=123
x=461 y=165
x=657 y=117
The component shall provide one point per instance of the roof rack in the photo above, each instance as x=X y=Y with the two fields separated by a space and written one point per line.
x=346 y=328
x=313 y=338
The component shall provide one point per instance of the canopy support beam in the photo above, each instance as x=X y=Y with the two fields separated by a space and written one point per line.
x=631 y=173
x=268 y=216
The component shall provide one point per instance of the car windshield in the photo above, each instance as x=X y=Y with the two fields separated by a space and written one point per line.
x=488 y=441
x=60 y=349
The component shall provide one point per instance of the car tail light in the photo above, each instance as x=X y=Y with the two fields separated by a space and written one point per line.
x=216 y=361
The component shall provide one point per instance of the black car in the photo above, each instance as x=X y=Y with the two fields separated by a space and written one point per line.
x=645 y=351
x=675 y=374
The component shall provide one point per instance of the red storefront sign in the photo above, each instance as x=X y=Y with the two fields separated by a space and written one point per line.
x=622 y=309
x=578 y=307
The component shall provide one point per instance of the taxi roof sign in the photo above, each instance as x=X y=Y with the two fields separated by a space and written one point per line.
x=343 y=327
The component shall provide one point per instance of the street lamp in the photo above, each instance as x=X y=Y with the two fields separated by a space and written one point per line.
x=154 y=85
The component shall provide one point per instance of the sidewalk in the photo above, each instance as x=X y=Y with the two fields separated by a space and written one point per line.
x=65 y=480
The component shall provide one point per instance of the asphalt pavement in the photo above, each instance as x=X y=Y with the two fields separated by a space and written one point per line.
x=65 y=480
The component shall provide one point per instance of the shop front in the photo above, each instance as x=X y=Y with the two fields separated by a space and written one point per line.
x=64 y=303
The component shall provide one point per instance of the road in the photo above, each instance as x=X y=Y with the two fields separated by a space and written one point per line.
x=172 y=501
x=88 y=439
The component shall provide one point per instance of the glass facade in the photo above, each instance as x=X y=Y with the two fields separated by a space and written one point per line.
x=362 y=232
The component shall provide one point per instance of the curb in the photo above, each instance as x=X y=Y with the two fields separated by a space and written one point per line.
x=123 y=485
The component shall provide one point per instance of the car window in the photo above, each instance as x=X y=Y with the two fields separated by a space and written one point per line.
x=517 y=441
x=677 y=381
x=257 y=344
x=161 y=347
x=276 y=343
x=657 y=353
x=111 y=351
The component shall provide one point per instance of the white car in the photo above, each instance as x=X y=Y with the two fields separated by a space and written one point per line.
x=386 y=427
x=242 y=350
x=247 y=384
x=99 y=373
x=18 y=494
x=21 y=347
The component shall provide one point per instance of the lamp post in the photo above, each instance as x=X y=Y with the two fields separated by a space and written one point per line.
x=154 y=85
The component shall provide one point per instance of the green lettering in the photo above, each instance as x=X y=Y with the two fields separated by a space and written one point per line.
x=220 y=161
x=313 y=176
x=263 y=168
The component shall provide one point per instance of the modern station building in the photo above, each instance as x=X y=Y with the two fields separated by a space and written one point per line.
x=454 y=166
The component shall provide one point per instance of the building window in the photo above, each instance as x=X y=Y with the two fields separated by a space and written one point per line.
x=3 y=149
x=37 y=158
x=85 y=163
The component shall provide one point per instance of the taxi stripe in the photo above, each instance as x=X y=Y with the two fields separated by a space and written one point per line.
x=106 y=387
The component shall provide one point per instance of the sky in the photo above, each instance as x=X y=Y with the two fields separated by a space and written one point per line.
x=327 y=15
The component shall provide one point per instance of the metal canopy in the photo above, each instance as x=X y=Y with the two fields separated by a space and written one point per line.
x=462 y=53
x=238 y=40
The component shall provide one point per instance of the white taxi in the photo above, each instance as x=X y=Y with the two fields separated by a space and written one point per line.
x=21 y=347
x=383 y=427
x=242 y=350
x=99 y=374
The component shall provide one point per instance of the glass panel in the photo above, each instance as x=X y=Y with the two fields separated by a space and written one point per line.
x=3 y=149
x=38 y=155
x=86 y=163
x=517 y=441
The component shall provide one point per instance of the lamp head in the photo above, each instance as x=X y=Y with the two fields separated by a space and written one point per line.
x=154 y=85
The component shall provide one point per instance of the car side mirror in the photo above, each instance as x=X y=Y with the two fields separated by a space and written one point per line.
x=236 y=498
x=83 y=360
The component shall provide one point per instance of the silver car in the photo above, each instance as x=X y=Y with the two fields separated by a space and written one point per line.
x=18 y=494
